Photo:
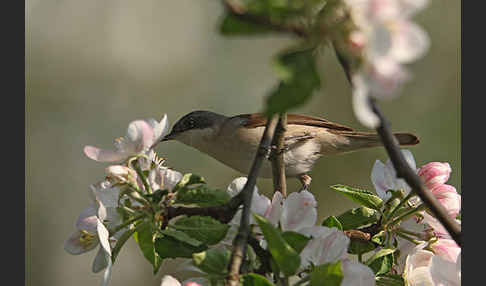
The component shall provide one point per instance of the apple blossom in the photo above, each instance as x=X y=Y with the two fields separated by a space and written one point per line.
x=424 y=267
x=449 y=198
x=356 y=274
x=163 y=178
x=141 y=135
x=434 y=173
x=385 y=38
x=327 y=245
x=384 y=178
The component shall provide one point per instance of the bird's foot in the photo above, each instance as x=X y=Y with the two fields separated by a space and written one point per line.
x=305 y=180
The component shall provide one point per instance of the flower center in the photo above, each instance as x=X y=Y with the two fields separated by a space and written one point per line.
x=87 y=239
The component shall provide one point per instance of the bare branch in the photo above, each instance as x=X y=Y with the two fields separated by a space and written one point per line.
x=240 y=241
x=278 y=168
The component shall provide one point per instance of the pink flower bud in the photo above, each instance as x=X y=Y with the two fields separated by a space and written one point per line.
x=191 y=283
x=435 y=173
x=449 y=198
x=121 y=173
x=447 y=249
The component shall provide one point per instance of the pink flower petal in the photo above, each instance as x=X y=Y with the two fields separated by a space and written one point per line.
x=435 y=173
x=410 y=42
x=87 y=220
x=140 y=135
x=168 y=280
x=447 y=249
x=103 y=155
x=356 y=274
x=299 y=211
x=274 y=212
x=444 y=272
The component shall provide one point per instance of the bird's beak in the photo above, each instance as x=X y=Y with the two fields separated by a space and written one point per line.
x=167 y=137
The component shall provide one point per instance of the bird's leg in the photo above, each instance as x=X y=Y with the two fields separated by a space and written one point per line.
x=305 y=180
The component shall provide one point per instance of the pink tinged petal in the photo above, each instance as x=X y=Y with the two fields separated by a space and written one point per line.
x=356 y=274
x=105 y=193
x=449 y=198
x=104 y=236
x=168 y=280
x=361 y=106
x=87 y=220
x=444 y=272
x=329 y=245
x=140 y=136
x=438 y=228
x=435 y=173
x=447 y=249
x=410 y=42
x=299 y=211
x=171 y=178
x=101 y=260
x=385 y=77
x=78 y=244
x=274 y=213
x=260 y=204
x=198 y=281
x=103 y=155
x=160 y=129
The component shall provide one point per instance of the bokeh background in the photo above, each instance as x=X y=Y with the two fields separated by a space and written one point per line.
x=93 y=66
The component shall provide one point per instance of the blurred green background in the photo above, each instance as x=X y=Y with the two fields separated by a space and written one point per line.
x=93 y=66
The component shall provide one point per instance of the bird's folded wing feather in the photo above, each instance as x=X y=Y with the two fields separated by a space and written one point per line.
x=258 y=119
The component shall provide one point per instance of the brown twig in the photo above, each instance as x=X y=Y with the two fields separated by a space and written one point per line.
x=278 y=168
x=241 y=239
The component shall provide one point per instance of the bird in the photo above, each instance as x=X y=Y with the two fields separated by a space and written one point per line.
x=234 y=140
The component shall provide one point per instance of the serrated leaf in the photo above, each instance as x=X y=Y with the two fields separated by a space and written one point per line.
x=287 y=259
x=332 y=221
x=382 y=261
x=202 y=196
x=390 y=280
x=169 y=247
x=362 y=197
x=145 y=238
x=253 y=279
x=358 y=217
x=203 y=228
x=298 y=80
x=213 y=261
x=234 y=26
x=329 y=274
x=182 y=236
x=296 y=240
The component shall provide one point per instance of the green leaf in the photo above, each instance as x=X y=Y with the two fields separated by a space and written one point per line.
x=202 y=196
x=169 y=247
x=213 y=261
x=362 y=197
x=332 y=221
x=358 y=246
x=382 y=261
x=390 y=280
x=298 y=80
x=287 y=259
x=296 y=240
x=189 y=180
x=329 y=274
x=145 y=237
x=379 y=238
x=235 y=26
x=253 y=279
x=203 y=228
x=182 y=236
x=157 y=195
x=358 y=217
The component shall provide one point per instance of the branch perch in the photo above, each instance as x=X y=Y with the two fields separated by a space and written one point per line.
x=278 y=168
x=241 y=239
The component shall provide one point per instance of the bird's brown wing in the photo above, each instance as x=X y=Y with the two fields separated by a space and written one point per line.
x=258 y=119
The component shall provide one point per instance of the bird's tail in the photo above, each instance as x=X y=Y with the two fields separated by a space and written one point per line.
x=360 y=140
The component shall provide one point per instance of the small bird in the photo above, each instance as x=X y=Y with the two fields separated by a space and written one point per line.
x=234 y=140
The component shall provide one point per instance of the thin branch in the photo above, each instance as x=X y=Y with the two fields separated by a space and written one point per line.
x=262 y=254
x=240 y=241
x=278 y=167
x=413 y=180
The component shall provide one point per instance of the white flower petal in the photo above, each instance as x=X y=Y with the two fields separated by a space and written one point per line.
x=106 y=194
x=356 y=274
x=101 y=260
x=161 y=129
x=299 y=211
x=139 y=136
x=361 y=106
x=274 y=212
x=87 y=220
x=444 y=272
x=104 y=236
x=378 y=180
x=168 y=280
x=236 y=186
x=410 y=159
x=410 y=42
x=260 y=204
x=329 y=245
x=107 y=274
